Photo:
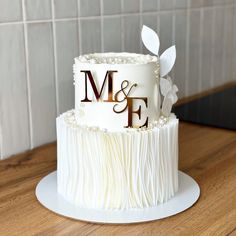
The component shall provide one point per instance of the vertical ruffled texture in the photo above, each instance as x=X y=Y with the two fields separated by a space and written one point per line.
x=117 y=170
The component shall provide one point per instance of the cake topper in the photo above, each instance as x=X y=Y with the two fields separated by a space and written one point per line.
x=167 y=60
x=168 y=90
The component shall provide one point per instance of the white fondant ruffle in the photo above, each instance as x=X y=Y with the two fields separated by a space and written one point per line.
x=116 y=170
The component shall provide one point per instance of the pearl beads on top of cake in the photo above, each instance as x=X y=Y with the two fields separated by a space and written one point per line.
x=117 y=58
x=69 y=118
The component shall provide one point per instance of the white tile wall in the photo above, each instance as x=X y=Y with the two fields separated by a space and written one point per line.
x=67 y=48
x=14 y=116
x=10 y=10
x=38 y=9
x=207 y=49
x=131 y=31
x=181 y=45
x=65 y=9
x=234 y=46
x=89 y=8
x=193 y=76
x=218 y=44
x=42 y=82
x=111 y=7
x=112 y=35
x=90 y=35
x=228 y=43
x=40 y=38
x=130 y=6
x=166 y=5
x=150 y=6
x=181 y=4
x=165 y=30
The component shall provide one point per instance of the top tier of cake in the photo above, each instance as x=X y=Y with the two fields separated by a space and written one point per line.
x=116 y=90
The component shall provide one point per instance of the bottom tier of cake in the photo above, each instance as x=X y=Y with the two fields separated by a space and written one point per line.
x=117 y=170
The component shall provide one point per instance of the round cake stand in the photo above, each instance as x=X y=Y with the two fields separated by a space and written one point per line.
x=187 y=195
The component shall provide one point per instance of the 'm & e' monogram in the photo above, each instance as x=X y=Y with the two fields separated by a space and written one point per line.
x=114 y=97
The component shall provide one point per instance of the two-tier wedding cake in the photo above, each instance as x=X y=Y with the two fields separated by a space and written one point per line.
x=118 y=149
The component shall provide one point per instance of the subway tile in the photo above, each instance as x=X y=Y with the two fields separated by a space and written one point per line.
x=67 y=50
x=14 y=116
x=166 y=4
x=166 y=30
x=111 y=7
x=38 y=9
x=130 y=6
x=218 y=2
x=65 y=9
x=132 y=31
x=193 y=80
x=149 y=6
x=234 y=45
x=112 y=34
x=228 y=44
x=42 y=85
x=179 y=4
x=10 y=10
x=180 y=42
x=208 y=3
x=230 y=1
x=198 y=3
x=90 y=35
x=207 y=49
x=89 y=8
x=150 y=21
x=218 y=46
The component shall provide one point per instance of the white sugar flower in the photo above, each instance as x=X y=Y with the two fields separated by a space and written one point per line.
x=168 y=90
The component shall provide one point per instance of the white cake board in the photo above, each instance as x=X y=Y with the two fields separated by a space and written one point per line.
x=187 y=195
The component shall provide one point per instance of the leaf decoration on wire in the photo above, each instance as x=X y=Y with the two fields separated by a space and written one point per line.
x=167 y=60
x=150 y=39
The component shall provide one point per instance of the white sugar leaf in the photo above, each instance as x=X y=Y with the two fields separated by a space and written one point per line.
x=167 y=60
x=166 y=106
x=165 y=86
x=150 y=39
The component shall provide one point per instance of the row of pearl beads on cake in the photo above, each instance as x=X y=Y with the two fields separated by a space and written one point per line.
x=70 y=119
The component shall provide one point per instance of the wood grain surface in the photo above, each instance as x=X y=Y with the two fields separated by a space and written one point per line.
x=207 y=154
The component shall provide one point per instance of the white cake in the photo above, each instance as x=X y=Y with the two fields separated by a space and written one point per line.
x=118 y=149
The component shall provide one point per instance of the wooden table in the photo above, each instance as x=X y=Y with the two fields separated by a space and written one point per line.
x=207 y=154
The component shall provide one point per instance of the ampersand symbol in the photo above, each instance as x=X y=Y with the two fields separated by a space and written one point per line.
x=124 y=85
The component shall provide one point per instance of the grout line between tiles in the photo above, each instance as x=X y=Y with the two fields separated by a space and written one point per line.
x=200 y=51
x=25 y=29
x=55 y=57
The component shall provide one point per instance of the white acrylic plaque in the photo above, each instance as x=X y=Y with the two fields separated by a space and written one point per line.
x=187 y=195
